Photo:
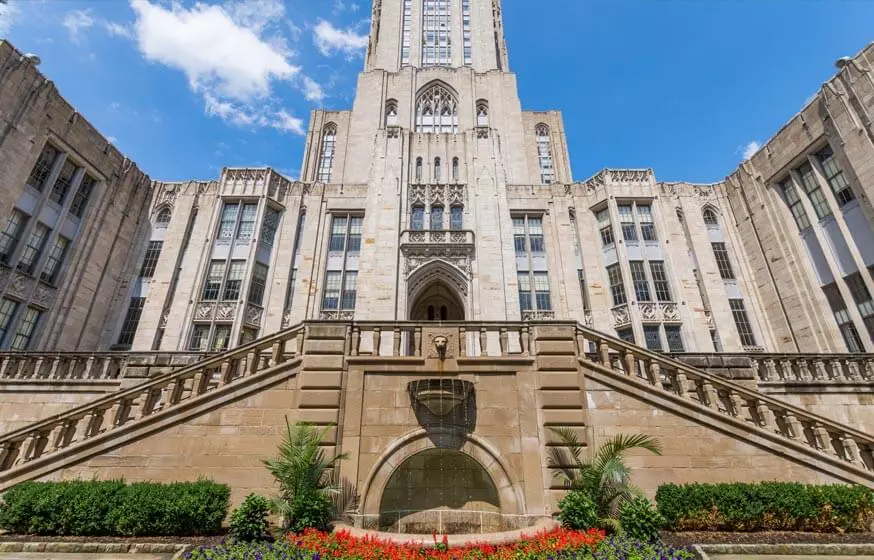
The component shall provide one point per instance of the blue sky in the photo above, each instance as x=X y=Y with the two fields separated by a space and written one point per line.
x=681 y=86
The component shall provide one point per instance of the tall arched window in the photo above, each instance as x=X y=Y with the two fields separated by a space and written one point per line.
x=456 y=218
x=391 y=113
x=455 y=170
x=418 y=170
x=417 y=222
x=437 y=170
x=163 y=218
x=544 y=154
x=326 y=159
x=482 y=113
x=437 y=111
x=710 y=217
x=437 y=218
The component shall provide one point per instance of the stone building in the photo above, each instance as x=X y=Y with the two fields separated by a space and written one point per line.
x=438 y=287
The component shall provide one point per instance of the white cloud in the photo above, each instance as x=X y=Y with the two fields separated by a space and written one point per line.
x=227 y=56
x=751 y=149
x=8 y=13
x=313 y=90
x=214 y=51
x=76 y=21
x=118 y=30
x=343 y=6
x=329 y=39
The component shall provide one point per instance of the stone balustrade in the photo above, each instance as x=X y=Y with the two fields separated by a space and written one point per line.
x=465 y=340
x=66 y=366
x=773 y=416
x=813 y=368
x=157 y=396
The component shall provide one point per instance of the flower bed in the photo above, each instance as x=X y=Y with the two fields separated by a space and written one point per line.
x=556 y=545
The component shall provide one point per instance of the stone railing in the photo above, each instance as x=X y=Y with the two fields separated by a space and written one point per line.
x=66 y=366
x=437 y=237
x=463 y=339
x=788 y=423
x=813 y=368
x=162 y=394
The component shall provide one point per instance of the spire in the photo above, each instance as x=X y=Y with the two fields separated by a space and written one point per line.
x=427 y=33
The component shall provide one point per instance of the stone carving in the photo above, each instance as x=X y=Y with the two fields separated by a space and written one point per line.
x=588 y=319
x=456 y=195
x=167 y=196
x=204 y=311
x=226 y=311
x=631 y=175
x=482 y=132
x=595 y=183
x=669 y=189
x=440 y=343
x=418 y=194
x=705 y=192
x=164 y=318
x=393 y=132
x=670 y=311
x=286 y=319
x=532 y=315
x=44 y=296
x=649 y=312
x=437 y=195
x=621 y=316
x=436 y=339
x=337 y=315
x=279 y=186
x=422 y=247
x=254 y=315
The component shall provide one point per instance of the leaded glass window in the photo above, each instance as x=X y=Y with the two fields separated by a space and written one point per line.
x=790 y=195
x=55 y=259
x=326 y=157
x=437 y=111
x=26 y=329
x=617 y=286
x=641 y=284
x=814 y=191
x=835 y=177
x=43 y=167
x=11 y=235
x=742 y=321
x=544 y=154
x=436 y=33
x=34 y=247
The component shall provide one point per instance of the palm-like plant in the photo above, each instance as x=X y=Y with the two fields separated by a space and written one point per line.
x=605 y=478
x=302 y=470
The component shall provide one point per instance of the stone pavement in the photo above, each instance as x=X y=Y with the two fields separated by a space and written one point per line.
x=80 y=556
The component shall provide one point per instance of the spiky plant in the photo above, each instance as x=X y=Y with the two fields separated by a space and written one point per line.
x=302 y=470
x=605 y=477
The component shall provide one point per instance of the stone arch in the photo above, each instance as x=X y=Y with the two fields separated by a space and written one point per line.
x=510 y=495
x=711 y=215
x=437 y=108
x=162 y=214
x=438 y=279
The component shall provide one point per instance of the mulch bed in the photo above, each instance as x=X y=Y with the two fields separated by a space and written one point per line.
x=767 y=537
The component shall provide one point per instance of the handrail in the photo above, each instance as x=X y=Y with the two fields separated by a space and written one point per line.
x=214 y=361
x=677 y=364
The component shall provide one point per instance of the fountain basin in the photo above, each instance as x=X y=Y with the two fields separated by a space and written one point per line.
x=440 y=395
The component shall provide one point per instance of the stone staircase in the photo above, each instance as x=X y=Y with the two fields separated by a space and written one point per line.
x=109 y=422
x=784 y=429
x=561 y=355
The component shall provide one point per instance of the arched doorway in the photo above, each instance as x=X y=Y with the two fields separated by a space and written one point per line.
x=437 y=292
x=437 y=302
x=440 y=490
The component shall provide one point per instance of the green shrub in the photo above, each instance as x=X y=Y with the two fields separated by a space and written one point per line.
x=769 y=506
x=249 y=521
x=577 y=511
x=640 y=520
x=313 y=510
x=101 y=508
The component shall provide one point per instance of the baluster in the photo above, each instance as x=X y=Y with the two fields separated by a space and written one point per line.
x=796 y=430
x=604 y=353
x=483 y=342
x=771 y=369
x=504 y=341
x=680 y=383
x=56 y=366
x=225 y=372
x=417 y=341
x=851 y=450
x=853 y=370
x=107 y=363
x=37 y=367
x=277 y=353
x=197 y=386
x=804 y=370
x=177 y=387
x=89 y=368
x=301 y=335
x=4 y=365
x=837 y=371
x=737 y=403
x=462 y=342
x=72 y=364
x=755 y=366
x=869 y=369
x=786 y=373
x=58 y=436
x=630 y=362
x=766 y=416
x=30 y=447
x=581 y=345
x=7 y=454
x=820 y=372
x=356 y=340
x=710 y=394
x=822 y=439
x=525 y=340
x=377 y=332
x=84 y=426
x=655 y=373
x=396 y=342
x=148 y=405
x=251 y=363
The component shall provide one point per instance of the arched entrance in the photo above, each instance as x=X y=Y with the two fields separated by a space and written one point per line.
x=436 y=292
x=439 y=490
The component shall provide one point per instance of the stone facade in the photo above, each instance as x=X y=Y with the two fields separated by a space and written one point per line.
x=439 y=292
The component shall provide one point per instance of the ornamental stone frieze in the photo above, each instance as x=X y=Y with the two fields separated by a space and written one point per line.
x=208 y=311
x=337 y=315
x=27 y=288
x=538 y=315
x=421 y=247
x=253 y=315
x=621 y=316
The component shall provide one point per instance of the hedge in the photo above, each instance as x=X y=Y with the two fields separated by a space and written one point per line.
x=113 y=508
x=768 y=506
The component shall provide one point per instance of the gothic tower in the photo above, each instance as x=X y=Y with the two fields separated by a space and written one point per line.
x=425 y=157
